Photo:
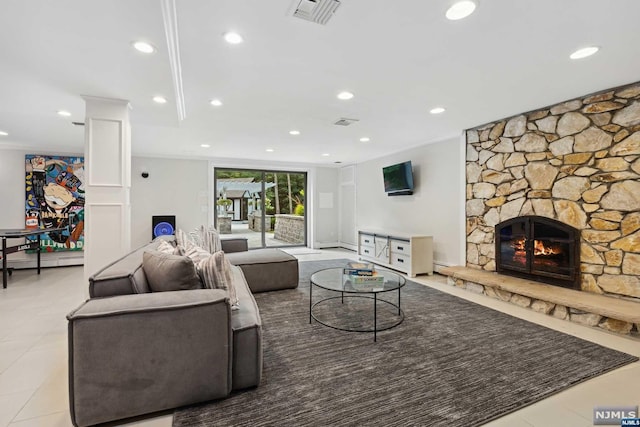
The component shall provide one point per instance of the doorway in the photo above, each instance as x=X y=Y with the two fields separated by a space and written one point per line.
x=266 y=207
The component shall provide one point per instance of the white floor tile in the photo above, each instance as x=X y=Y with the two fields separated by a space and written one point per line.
x=49 y=399
x=59 y=419
x=10 y=405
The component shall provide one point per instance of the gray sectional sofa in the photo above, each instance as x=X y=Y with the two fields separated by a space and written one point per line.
x=133 y=351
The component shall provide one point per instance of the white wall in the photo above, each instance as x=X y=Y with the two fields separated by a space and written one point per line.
x=181 y=188
x=174 y=187
x=323 y=206
x=347 y=200
x=435 y=207
x=12 y=209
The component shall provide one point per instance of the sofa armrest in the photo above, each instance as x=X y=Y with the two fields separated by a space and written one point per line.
x=135 y=354
x=234 y=244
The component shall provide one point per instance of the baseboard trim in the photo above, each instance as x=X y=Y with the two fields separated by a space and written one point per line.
x=326 y=245
x=45 y=263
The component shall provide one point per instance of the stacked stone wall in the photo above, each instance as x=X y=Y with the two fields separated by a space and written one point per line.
x=577 y=162
x=255 y=221
x=289 y=228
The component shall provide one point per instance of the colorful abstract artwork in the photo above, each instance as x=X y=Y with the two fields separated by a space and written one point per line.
x=55 y=198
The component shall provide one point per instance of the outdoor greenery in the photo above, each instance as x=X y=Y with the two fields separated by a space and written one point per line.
x=224 y=203
x=287 y=197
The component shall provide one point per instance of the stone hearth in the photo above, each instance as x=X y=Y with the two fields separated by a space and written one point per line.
x=577 y=162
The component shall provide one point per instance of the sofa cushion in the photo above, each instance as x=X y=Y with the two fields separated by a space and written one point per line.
x=168 y=272
x=247 y=335
x=234 y=244
x=123 y=276
x=267 y=269
x=215 y=273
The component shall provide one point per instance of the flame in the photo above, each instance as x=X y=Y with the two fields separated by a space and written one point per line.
x=519 y=245
x=540 y=249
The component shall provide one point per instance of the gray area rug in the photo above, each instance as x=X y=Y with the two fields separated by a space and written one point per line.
x=450 y=363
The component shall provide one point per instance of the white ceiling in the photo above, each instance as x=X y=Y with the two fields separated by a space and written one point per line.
x=400 y=58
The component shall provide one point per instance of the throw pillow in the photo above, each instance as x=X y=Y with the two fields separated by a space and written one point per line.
x=182 y=238
x=168 y=272
x=215 y=273
x=165 y=247
x=194 y=252
x=210 y=239
x=196 y=237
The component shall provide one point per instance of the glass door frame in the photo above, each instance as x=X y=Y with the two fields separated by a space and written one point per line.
x=264 y=172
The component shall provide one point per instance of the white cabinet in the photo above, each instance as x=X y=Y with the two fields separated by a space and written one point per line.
x=366 y=244
x=411 y=254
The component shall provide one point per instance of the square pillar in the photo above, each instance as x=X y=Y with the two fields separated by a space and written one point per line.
x=107 y=156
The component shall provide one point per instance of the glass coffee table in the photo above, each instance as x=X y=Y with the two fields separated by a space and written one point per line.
x=333 y=279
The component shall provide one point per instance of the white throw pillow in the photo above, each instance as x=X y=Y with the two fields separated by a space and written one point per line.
x=194 y=252
x=210 y=239
x=182 y=238
x=166 y=247
x=215 y=273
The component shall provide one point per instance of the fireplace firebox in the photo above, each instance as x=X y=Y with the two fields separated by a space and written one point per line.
x=539 y=248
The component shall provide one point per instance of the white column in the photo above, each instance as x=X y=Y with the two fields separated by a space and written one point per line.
x=107 y=157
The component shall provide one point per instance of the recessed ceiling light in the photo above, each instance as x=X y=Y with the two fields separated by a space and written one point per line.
x=437 y=110
x=584 y=52
x=269 y=150
x=345 y=95
x=144 y=47
x=160 y=99
x=294 y=132
x=460 y=10
x=233 y=38
x=365 y=139
x=3 y=133
x=215 y=102
x=205 y=145
x=325 y=154
x=64 y=113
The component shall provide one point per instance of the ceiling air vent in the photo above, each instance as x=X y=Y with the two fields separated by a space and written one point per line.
x=318 y=11
x=345 y=122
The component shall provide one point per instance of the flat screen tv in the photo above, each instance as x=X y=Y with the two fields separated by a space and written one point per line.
x=398 y=179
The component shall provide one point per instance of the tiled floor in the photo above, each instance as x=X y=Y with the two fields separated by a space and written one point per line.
x=33 y=354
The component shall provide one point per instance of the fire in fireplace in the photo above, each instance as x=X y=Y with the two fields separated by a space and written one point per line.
x=539 y=248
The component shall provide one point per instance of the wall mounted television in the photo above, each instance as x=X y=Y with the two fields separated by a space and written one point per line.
x=398 y=179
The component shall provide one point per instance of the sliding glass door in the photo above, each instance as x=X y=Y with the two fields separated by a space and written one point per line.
x=266 y=207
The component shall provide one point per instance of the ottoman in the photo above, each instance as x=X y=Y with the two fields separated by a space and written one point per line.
x=267 y=269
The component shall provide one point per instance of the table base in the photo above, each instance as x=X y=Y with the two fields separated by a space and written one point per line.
x=374 y=329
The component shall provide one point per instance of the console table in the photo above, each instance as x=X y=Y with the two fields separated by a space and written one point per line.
x=412 y=254
x=17 y=234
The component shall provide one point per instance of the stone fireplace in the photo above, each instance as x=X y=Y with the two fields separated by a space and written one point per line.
x=539 y=248
x=576 y=163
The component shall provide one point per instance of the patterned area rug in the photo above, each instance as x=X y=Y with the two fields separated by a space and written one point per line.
x=450 y=363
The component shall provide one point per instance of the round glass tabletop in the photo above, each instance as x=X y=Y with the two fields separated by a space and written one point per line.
x=334 y=279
